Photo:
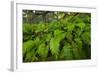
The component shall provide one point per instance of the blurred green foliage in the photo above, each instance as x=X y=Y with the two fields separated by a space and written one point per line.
x=66 y=37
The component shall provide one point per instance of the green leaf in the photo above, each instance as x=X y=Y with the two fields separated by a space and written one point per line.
x=75 y=20
x=57 y=32
x=80 y=25
x=78 y=42
x=40 y=28
x=69 y=36
x=30 y=56
x=54 y=46
x=75 y=51
x=48 y=37
x=27 y=37
x=78 y=32
x=37 y=41
x=87 y=28
x=66 y=52
x=60 y=36
x=27 y=46
x=42 y=50
x=86 y=37
x=70 y=27
x=27 y=28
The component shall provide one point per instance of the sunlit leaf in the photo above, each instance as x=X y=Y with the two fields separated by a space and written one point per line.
x=27 y=46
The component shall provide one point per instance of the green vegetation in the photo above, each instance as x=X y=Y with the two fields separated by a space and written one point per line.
x=56 y=36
